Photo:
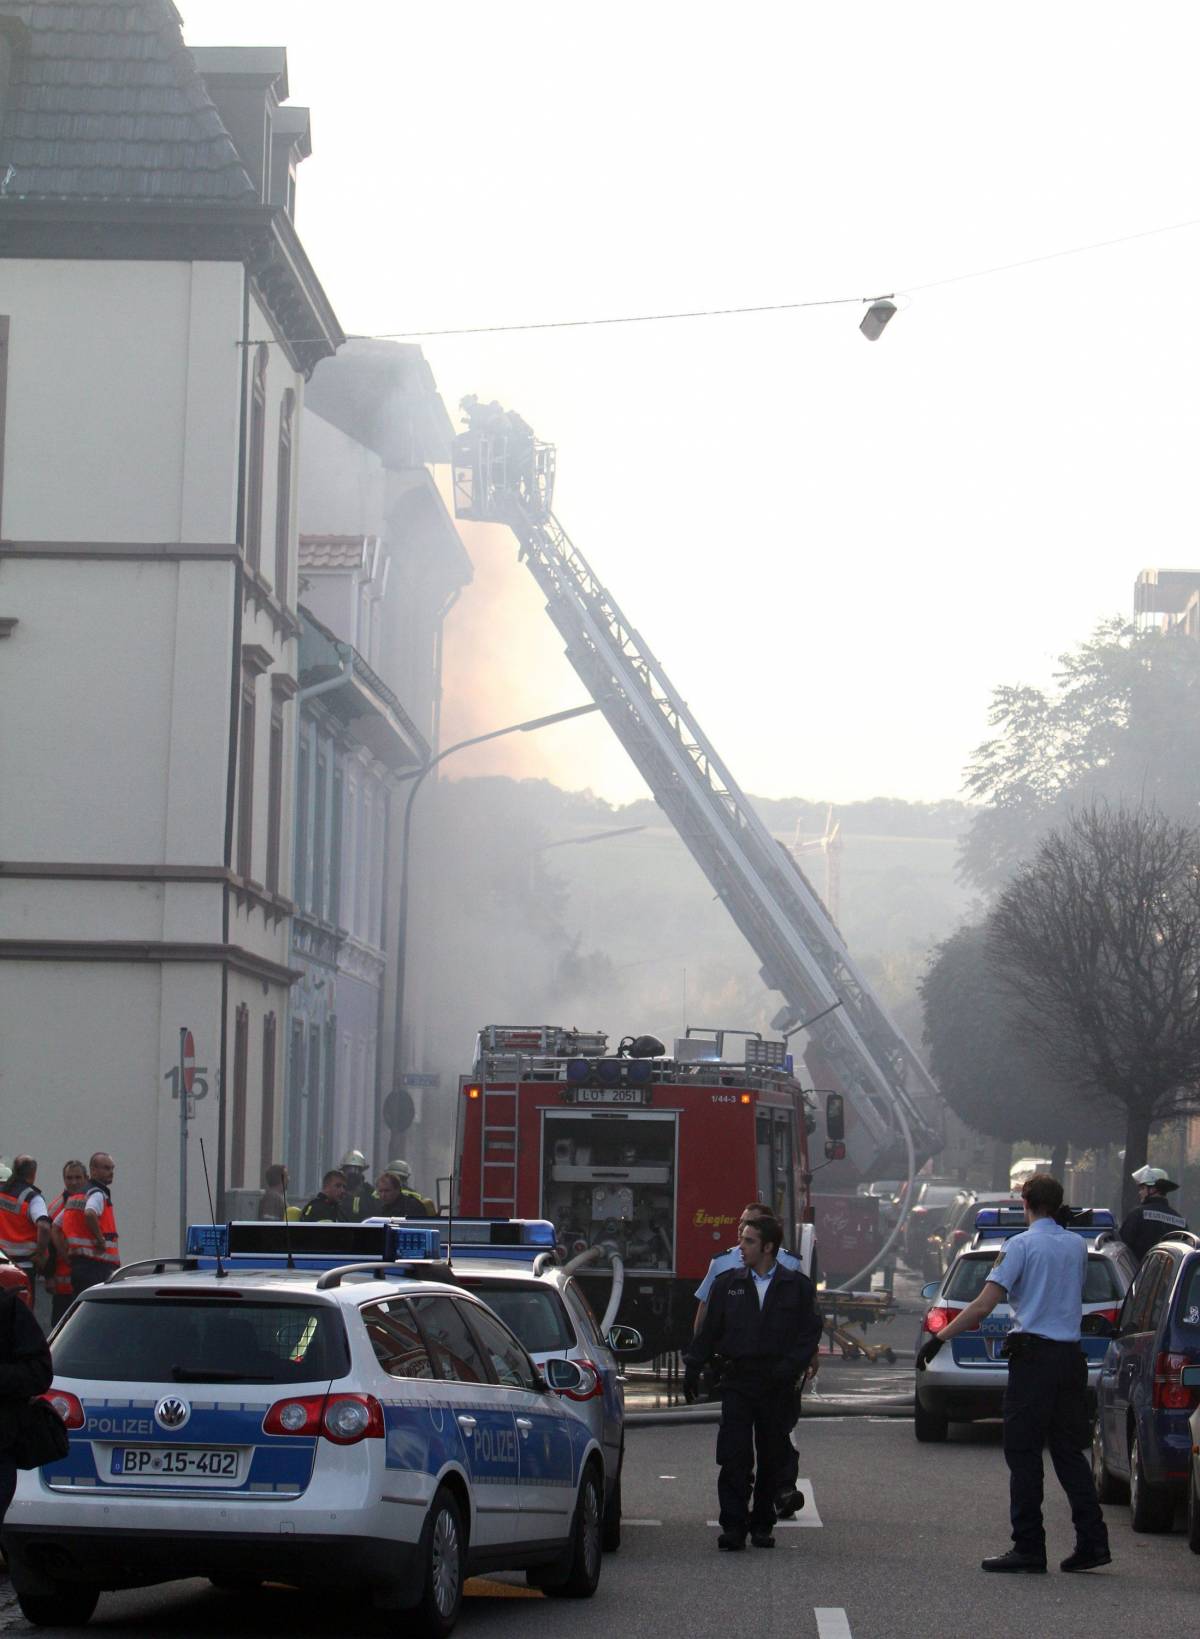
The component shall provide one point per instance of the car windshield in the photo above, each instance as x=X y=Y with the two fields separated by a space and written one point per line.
x=532 y=1313
x=181 y=1340
x=969 y=1274
x=938 y=1194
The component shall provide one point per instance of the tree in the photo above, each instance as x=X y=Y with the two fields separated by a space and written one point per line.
x=1122 y=723
x=988 y=1070
x=1098 y=941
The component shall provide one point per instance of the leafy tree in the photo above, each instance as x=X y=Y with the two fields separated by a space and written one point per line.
x=1098 y=941
x=1122 y=723
x=989 y=1071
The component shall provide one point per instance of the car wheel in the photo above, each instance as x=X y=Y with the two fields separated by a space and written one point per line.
x=587 y=1532
x=1108 y=1487
x=612 y=1513
x=65 y=1607
x=443 y=1564
x=1193 y=1508
x=930 y=1427
x=1151 y=1507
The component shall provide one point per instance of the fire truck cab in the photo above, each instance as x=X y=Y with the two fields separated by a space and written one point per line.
x=646 y=1157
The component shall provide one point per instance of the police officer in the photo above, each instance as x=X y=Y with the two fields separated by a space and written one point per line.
x=1153 y=1218
x=1041 y=1273
x=763 y=1320
x=89 y=1222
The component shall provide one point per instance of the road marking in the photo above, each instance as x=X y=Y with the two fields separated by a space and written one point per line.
x=625 y=1521
x=808 y=1515
x=831 y=1622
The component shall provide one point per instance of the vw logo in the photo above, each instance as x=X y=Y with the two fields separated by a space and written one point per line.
x=172 y=1412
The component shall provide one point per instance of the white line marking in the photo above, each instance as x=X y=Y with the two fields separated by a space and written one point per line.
x=625 y=1521
x=807 y=1516
x=831 y=1622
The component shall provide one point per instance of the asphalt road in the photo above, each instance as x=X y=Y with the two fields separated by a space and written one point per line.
x=897 y=1552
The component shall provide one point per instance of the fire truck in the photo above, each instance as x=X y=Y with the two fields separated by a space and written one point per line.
x=641 y=1159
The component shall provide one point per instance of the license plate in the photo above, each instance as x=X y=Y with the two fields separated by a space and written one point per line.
x=607 y=1095
x=183 y=1463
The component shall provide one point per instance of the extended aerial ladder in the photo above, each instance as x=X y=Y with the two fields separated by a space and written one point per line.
x=503 y=474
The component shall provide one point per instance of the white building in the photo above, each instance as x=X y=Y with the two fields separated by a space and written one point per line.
x=160 y=318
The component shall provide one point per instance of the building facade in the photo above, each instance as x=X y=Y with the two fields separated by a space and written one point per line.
x=160 y=319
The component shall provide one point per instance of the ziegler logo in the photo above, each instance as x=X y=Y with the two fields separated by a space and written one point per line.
x=714 y=1220
x=172 y=1412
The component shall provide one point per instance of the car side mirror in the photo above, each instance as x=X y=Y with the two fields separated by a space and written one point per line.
x=1097 y=1326
x=931 y=1290
x=835 y=1117
x=561 y=1375
x=624 y=1340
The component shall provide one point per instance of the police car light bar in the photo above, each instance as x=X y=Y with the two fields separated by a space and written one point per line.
x=1087 y=1220
x=313 y=1246
x=515 y=1240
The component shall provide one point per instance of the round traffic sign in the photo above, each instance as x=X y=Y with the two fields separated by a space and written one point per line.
x=189 y=1061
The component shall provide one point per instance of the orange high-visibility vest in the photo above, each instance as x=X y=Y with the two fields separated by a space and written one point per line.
x=61 y=1278
x=18 y=1232
x=79 y=1232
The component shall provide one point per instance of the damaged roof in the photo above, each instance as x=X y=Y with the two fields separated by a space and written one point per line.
x=103 y=101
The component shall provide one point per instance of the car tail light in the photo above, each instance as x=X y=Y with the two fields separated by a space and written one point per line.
x=1111 y=1315
x=591 y=1386
x=939 y=1318
x=1169 y=1393
x=960 y=1235
x=342 y=1419
x=66 y=1405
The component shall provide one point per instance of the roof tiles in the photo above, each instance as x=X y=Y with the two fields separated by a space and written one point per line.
x=106 y=103
x=332 y=551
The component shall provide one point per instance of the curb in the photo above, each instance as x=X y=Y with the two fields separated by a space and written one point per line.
x=668 y=1416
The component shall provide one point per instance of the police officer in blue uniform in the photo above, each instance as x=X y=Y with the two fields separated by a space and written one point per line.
x=1041 y=1273
x=762 y=1319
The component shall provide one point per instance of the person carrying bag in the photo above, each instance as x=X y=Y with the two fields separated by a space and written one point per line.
x=31 y=1432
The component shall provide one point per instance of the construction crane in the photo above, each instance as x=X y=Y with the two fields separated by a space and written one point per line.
x=503 y=474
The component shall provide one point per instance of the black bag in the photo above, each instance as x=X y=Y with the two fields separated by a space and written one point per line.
x=39 y=1436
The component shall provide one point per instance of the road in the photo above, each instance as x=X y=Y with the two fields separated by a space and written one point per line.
x=897 y=1552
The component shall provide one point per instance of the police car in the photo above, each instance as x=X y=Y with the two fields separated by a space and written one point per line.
x=966 y=1380
x=312 y=1404
x=510 y=1264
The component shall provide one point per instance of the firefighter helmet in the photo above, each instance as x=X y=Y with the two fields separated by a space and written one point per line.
x=1153 y=1178
x=355 y=1159
x=401 y=1168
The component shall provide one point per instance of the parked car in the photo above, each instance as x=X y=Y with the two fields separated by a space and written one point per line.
x=934 y=1199
x=548 y=1310
x=327 y=1423
x=966 y=1381
x=1190 y=1378
x=958 y=1231
x=16 y=1280
x=887 y=1192
x=1142 y=1444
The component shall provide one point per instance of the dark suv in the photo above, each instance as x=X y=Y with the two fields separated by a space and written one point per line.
x=1142 y=1442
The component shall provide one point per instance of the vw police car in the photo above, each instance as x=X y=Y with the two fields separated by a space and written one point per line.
x=310 y=1403
x=966 y=1381
x=510 y=1264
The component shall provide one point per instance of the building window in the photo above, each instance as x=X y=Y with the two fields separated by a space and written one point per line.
x=319 y=833
x=254 y=459
x=274 y=799
x=3 y=394
x=300 y=885
x=312 y=1111
x=329 y=1089
x=335 y=847
x=283 y=496
x=237 y=1141
x=266 y=1146
x=295 y=1108
x=245 y=828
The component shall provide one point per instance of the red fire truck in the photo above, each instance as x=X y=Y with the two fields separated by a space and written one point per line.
x=648 y=1157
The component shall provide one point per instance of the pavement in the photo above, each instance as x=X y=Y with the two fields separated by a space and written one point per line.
x=888 y=1547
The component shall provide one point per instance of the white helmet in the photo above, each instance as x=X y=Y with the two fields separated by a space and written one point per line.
x=402 y=1170
x=355 y=1159
x=1153 y=1177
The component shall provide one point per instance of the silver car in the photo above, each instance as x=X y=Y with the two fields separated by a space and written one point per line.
x=546 y=1308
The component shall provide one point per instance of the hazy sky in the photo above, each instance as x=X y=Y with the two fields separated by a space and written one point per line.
x=836 y=548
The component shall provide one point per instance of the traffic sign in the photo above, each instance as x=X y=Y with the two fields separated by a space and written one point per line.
x=187 y=1061
x=422 y=1078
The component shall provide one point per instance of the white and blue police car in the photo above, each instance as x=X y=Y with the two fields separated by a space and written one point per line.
x=314 y=1404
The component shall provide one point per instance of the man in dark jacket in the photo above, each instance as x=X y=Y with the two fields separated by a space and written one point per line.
x=763 y=1321
x=1154 y=1217
x=25 y=1370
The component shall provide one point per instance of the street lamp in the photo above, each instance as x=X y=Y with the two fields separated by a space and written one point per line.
x=418 y=779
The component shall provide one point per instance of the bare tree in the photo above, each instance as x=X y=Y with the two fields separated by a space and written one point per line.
x=1098 y=938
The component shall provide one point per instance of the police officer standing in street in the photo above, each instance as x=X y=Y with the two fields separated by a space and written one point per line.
x=1153 y=1218
x=762 y=1319
x=1041 y=1273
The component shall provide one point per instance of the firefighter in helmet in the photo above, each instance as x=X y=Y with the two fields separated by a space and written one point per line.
x=412 y=1205
x=358 y=1202
x=1153 y=1217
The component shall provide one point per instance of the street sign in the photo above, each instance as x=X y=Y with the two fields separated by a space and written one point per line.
x=422 y=1078
x=187 y=1061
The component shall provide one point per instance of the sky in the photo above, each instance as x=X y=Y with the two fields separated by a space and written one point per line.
x=836 y=548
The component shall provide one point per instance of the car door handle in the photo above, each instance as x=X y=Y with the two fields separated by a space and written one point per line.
x=467 y=1424
x=525 y=1425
